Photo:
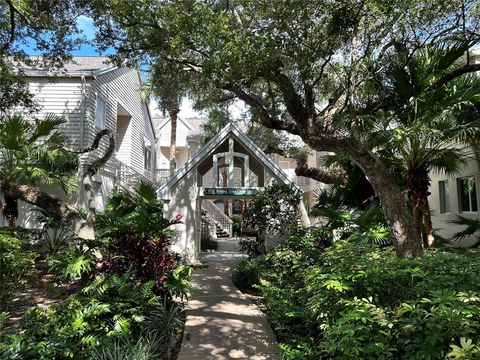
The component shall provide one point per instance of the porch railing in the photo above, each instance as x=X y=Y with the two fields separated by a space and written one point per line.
x=220 y=218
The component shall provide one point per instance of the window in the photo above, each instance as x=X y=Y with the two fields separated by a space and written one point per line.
x=468 y=194
x=147 y=154
x=444 y=197
x=100 y=113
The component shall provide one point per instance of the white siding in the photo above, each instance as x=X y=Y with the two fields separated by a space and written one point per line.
x=63 y=97
x=182 y=133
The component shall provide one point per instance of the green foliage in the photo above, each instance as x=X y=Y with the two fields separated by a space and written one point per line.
x=274 y=209
x=136 y=235
x=110 y=310
x=252 y=246
x=57 y=233
x=472 y=227
x=246 y=274
x=16 y=264
x=71 y=264
x=123 y=349
x=178 y=283
x=32 y=152
x=358 y=301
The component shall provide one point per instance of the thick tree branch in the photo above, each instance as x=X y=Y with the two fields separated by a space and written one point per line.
x=468 y=68
x=9 y=42
x=257 y=103
x=52 y=204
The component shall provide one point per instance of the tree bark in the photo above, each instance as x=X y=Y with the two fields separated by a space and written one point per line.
x=173 y=138
x=393 y=201
x=50 y=203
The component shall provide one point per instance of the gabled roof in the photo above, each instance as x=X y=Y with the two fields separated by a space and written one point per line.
x=164 y=191
x=78 y=65
x=167 y=121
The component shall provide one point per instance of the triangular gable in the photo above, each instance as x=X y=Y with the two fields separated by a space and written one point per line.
x=164 y=191
x=185 y=122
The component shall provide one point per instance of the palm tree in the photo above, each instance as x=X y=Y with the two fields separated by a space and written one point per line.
x=169 y=84
x=31 y=153
x=423 y=126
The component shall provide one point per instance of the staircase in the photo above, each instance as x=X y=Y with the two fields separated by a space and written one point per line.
x=213 y=215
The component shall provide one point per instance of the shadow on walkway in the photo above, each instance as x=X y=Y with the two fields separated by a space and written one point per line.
x=221 y=322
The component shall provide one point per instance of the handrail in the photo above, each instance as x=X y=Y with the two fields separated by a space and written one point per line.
x=223 y=220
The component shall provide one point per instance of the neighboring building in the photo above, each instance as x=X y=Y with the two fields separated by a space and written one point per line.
x=92 y=95
x=458 y=194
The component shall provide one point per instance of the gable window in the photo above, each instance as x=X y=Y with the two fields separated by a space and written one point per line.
x=100 y=113
x=468 y=194
x=444 y=196
x=147 y=154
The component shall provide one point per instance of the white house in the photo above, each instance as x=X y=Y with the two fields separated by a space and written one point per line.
x=229 y=167
x=458 y=194
x=92 y=95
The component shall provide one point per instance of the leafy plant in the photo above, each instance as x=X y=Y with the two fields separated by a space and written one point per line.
x=57 y=233
x=16 y=264
x=178 y=283
x=252 y=246
x=246 y=274
x=71 y=264
x=136 y=235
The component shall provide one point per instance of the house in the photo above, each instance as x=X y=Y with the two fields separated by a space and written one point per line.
x=188 y=144
x=457 y=194
x=91 y=95
x=229 y=168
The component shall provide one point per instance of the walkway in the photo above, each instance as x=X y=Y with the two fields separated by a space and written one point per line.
x=221 y=322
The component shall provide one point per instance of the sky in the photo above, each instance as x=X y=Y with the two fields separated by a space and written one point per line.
x=87 y=27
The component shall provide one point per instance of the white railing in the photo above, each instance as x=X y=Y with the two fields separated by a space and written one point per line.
x=129 y=176
x=163 y=175
x=209 y=228
x=223 y=220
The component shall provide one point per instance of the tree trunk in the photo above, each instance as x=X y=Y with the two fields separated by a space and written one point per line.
x=427 y=220
x=394 y=204
x=10 y=210
x=50 y=203
x=173 y=138
x=393 y=201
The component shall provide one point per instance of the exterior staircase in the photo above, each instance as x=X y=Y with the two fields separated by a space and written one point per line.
x=220 y=225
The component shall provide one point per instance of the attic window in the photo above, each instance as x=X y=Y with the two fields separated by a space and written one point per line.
x=147 y=154
x=100 y=113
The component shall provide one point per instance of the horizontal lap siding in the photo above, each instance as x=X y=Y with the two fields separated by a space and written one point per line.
x=122 y=86
x=62 y=97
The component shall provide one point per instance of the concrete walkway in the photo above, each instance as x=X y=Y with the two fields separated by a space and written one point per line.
x=221 y=322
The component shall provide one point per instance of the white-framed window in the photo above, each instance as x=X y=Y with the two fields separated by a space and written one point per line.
x=147 y=154
x=444 y=193
x=100 y=112
x=467 y=192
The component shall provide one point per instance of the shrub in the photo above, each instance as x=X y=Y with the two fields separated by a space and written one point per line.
x=252 y=246
x=137 y=235
x=246 y=274
x=358 y=301
x=16 y=265
x=108 y=310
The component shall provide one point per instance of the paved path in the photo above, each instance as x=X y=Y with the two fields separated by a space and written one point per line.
x=221 y=322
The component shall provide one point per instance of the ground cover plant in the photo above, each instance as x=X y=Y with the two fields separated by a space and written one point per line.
x=356 y=300
x=122 y=287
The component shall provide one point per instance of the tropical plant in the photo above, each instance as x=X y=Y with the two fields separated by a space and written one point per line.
x=56 y=233
x=136 y=235
x=472 y=228
x=72 y=263
x=16 y=265
x=104 y=314
x=32 y=153
x=421 y=129
x=246 y=274
x=273 y=210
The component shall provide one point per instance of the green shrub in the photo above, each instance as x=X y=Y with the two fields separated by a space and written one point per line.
x=71 y=264
x=252 y=246
x=108 y=310
x=246 y=274
x=356 y=301
x=16 y=265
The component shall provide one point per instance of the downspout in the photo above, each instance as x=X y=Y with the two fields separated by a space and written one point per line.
x=82 y=134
